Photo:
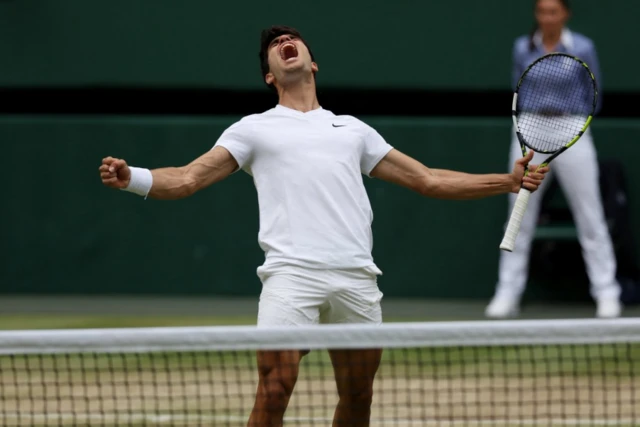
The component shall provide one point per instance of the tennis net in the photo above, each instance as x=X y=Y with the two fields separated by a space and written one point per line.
x=498 y=373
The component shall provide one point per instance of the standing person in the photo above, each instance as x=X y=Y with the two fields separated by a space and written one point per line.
x=315 y=216
x=577 y=173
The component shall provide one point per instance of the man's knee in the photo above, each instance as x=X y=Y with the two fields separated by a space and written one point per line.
x=278 y=376
x=358 y=391
x=355 y=373
x=276 y=392
x=355 y=404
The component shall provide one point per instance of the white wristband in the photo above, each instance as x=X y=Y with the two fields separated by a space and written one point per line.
x=140 y=182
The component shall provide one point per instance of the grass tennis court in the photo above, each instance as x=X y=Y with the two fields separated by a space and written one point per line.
x=66 y=321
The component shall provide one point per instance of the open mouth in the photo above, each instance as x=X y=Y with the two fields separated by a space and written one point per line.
x=288 y=52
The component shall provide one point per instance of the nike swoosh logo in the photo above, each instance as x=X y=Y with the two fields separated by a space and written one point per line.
x=337 y=126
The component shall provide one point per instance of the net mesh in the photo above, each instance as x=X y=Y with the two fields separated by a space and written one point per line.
x=555 y=98
x=579 y=372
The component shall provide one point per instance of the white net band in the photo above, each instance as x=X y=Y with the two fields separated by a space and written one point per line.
x=390 y=335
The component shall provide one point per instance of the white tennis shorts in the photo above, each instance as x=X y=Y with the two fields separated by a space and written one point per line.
x=293 y=296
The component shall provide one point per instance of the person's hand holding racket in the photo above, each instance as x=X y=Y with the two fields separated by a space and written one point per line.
x=553 y=105
x=526 y=175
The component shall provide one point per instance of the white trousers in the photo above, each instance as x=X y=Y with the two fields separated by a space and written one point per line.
x=577 y=173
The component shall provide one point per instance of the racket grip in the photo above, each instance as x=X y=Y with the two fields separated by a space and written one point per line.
x=513 y=228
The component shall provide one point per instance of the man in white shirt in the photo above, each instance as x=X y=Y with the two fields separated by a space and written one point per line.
x=315 y=216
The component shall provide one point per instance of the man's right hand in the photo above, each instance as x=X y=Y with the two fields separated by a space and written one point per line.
x=115 y=173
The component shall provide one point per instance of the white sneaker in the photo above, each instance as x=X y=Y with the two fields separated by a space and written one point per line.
x=502 y=307
x=608 y=308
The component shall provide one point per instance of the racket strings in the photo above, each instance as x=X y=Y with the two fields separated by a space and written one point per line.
x=555 y=99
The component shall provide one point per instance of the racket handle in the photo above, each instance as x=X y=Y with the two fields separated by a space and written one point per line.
x=513 y=228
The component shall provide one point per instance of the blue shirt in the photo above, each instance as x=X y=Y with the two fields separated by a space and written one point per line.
x=570 y=42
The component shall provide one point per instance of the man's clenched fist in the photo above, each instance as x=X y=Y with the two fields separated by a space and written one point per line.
x=115 y=173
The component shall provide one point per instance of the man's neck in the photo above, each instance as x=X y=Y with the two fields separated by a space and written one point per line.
x=301 y=97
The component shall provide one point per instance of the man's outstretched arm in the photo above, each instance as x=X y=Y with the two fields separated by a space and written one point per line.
x=169 y=183
x=403 y=170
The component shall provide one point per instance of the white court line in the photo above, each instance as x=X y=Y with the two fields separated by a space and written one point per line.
x=172 y=418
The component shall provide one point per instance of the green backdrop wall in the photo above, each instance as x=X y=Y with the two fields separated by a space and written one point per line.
x=63 y=232
x=372 y=43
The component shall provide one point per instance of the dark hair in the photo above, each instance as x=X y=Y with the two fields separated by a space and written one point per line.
x=267 y=37
x=532 y=46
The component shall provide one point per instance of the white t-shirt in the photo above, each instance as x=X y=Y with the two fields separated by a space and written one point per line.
x=307 y=169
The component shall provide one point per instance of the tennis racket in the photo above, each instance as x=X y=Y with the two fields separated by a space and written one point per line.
x=553 y=106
